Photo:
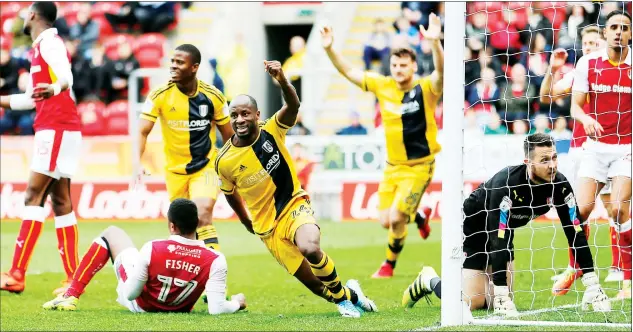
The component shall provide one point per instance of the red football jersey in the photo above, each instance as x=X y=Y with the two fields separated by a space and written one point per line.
x=176 y=277
x=57 y=112
x=609 y=88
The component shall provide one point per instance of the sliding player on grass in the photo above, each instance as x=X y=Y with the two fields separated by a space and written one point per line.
x=189 y=110
x=551 y=92
x=164 y=276
x=509 y=200
x=407 y=105
x=603 y=80
x=255 y=165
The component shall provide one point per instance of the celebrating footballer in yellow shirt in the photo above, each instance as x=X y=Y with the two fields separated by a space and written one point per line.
x=255 y=165
x=189 y=111
x=407 y=105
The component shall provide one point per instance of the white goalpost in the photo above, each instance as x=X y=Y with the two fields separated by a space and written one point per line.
x=470 y=157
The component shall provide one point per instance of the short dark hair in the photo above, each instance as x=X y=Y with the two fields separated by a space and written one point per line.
x=536 y=140
x=183 y=213
x=192 y=50
x=617 y=12
x=46 y=9
x=403 y=52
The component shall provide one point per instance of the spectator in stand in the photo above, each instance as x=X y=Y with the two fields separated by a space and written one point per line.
x=485 y=93
x=377 y=47
x=484 y=59
x=425 y=59
x=569 y=36
x=404 y=28
x=151 y=16
x=9 y=70
x=476 y=31
x=604 y=8
x=98 y=72
x=541 y=124
x=85 y=32
x=537 y=23
x=561 y=132
x=61 y=24
x=216 y=80
x=355 y=127
x=471 y=125
x=494 y=125
x=82 y=73
x=299 y=129
x=417 y=12
x=233 y=67
x=119 y=71
x=20 y=121
x=520 y=127
x=293 y=66
x=21 y=41
x=536 y=59
x=517 y=96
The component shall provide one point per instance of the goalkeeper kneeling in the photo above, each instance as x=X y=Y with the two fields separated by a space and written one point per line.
x=511 y=199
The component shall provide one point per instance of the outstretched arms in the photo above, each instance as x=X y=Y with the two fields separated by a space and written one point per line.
x=433 y=36
x=354 y=75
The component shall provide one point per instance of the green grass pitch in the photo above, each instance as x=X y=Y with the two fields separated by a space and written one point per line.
x=276 y=301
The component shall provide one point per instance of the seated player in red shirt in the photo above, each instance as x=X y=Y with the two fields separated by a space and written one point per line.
x=164 y=276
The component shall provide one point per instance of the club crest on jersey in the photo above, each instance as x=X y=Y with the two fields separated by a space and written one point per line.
x=171 y=248
x=267 y=146
x=412 y=94
x=204 y=110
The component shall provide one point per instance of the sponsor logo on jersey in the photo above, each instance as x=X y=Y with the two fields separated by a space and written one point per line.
x=192 y=125
x=411 y=94
x=410 y=107
x=204 y=110
x=610 y=88
x=184 y=251
x=273 y=162
x=255 y=178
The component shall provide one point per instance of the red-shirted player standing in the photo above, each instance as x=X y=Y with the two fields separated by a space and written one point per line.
x=164 y=276
x=57 y=146
x=605 y=77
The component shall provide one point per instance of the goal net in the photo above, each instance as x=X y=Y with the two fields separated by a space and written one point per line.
x=504 y=49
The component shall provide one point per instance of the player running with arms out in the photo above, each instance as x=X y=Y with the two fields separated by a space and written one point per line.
x=552 y=92
x=603 y=80
x=509 y=200
x=407 y=106
x=189 y=110
x=164 y=276
x=255 y=165
x=57 y=148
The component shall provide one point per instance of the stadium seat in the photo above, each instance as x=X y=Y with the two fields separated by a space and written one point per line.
x=173 y=26
x=9 y=10
x=70 y=10
x=93 y=116
x=118 y=118
x=149 y=49
x=98 y=15
x=519 y=8
x=105 y=29
x=555 y=11
x=111 y=44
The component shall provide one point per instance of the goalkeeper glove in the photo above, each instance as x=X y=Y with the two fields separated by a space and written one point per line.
x=594 y=294
x=503 y=304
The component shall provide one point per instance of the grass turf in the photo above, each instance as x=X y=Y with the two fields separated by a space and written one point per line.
x=276 y=301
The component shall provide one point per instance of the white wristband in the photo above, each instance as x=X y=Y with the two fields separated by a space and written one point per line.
x=56 y=89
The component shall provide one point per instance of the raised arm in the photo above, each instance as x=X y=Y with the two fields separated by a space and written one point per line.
x=433 y=36
x=551 y=91
x=353 y=75
x=288 y=112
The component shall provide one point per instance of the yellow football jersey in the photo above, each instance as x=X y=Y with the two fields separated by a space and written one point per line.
x=187 y=123
x=263 y=174
x=408 y=118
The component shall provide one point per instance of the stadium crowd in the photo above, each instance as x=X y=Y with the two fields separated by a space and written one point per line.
x=106 y=42
x=508 y=46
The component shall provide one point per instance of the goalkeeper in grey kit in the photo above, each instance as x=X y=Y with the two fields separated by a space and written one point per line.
x=511 y=199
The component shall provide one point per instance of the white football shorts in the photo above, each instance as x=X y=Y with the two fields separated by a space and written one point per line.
x=56 y=153
x=123 y=264
x=601 y=161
